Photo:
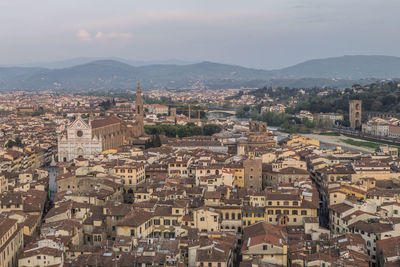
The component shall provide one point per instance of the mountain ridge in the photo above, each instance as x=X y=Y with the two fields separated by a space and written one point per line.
x=109 y=74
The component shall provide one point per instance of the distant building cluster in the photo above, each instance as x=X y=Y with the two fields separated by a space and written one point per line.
x=241 y=197
x=387 y=127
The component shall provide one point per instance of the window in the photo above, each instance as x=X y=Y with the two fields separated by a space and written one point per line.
x=303 y=212
x=132 y=232
x=270 y=212
x=277 y=212
x=167 y=222
x=202 y=219
x=219 y=264
x=286 y=203
x=277 y=203
x=157 y=222
x=265 y=247
x=269 y=203
x=295 y=203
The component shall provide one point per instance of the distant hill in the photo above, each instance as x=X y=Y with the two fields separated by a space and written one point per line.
x=113 y=74
x=84 y=60
x=346 y=67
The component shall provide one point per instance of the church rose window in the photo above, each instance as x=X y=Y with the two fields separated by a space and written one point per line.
x=79 y=133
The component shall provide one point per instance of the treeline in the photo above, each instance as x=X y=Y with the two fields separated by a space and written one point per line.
x=287 y=122
x=190 y=129
x=106 y=105
x=380 y=97
x=285 y=93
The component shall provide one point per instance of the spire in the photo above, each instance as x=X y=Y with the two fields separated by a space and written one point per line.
x=139 y=111
x=139 y=101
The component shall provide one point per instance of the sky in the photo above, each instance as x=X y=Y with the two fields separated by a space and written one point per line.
x=265 y=34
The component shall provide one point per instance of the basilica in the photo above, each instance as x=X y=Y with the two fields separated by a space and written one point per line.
x=82 y=138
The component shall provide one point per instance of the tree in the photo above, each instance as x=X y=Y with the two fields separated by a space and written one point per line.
x=17 y=142
x=290 y=110
x=210 y=129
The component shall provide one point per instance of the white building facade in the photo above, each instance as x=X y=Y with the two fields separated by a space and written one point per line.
x=78 y=141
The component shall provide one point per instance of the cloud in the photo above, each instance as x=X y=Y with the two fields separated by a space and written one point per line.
x=122 y=36
x=84 y=36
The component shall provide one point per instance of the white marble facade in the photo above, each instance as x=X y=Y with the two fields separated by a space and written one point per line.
x=78 y=141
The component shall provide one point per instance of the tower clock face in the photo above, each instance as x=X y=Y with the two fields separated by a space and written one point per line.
x=79 y=133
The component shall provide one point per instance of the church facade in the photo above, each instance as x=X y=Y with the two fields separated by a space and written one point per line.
x=83 y=138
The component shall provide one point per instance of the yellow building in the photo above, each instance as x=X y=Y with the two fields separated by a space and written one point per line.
x=268 y=157
x=138 y=223
x=293 y=139
x=238 y=176
x=43 y=256
x=206 y=219
x=287 y=209
x=131 y=175
x=267 y=242
x=165 y=221
x=252 y=215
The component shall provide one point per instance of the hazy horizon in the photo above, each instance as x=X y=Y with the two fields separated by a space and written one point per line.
x=258 y=34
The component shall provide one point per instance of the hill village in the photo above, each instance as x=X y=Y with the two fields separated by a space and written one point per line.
x=80 y=187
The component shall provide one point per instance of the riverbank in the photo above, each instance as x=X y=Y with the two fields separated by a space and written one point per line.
x=342 y=141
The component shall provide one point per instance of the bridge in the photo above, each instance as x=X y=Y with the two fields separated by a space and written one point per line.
x=221 y=113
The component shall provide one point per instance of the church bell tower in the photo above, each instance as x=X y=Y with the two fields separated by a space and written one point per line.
x=139 y=104
x=139 y=113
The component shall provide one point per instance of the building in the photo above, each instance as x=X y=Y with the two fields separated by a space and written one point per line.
x=131 y=175
x=158 y=109
x=355 y=113
x=267 y=242
x=11 y=241
x=253 y=174
x=206 y=219
x=328 y=118
x=388 y=251
x=83 y=138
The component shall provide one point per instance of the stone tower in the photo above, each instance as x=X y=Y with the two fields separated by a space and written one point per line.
x=139 y=104
x=355 y=113
x=138 y=126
